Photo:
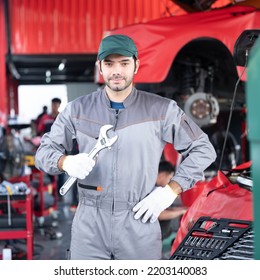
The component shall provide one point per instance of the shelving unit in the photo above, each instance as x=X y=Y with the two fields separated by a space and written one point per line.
x=18 y=224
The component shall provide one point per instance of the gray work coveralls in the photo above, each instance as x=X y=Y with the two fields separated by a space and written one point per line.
x=104 y=226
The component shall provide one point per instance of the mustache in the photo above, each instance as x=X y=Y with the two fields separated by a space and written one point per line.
x=116 y=77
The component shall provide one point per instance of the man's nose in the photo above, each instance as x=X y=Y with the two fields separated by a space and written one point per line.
x=117 y=69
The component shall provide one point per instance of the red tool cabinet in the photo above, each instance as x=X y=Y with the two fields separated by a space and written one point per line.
x=21 y=226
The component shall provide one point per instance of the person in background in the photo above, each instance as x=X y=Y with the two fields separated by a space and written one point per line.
x=35 y=122
x=168 y=217
x=47 y=120
x=44 y=112
x=44 y=126
x=120 y=219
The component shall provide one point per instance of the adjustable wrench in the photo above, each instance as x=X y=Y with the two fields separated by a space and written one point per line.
x=233 y=257
x=243 y=246
x=103 y=142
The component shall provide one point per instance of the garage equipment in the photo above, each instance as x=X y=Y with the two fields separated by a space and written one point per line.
x=220 y=239
x=19 y=225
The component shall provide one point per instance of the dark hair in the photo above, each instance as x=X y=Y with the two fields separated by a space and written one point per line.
x=56 y=100
x=166 y=166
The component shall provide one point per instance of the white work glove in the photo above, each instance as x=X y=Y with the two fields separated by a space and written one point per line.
x=78 y=166
x=153 y=204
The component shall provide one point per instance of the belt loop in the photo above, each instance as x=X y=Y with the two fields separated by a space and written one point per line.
x=131 y=205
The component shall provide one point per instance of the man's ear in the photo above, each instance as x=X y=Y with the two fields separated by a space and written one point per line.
x=99 y=67
x=137 y=64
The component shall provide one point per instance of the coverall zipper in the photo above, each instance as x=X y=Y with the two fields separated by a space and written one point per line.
x=113 y=202
x=117 y=113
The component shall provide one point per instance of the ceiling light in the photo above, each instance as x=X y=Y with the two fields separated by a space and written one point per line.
x=48 y=73
x=62 y=65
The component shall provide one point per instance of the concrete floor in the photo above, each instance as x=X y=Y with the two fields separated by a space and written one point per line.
x=52 y=236
x=52 y=239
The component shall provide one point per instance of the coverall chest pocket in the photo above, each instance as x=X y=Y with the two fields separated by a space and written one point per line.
x=87 y=134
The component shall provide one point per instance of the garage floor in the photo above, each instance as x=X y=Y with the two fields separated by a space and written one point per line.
x=52 y=239
x=52 y=236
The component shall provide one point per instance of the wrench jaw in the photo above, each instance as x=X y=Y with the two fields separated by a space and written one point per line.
x=112 y=141
x=103 y=141
x=103 y=138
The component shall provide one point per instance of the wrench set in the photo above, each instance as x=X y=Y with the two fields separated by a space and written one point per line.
x=218 y=239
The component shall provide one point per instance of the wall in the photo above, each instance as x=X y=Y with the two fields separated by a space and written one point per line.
x=66 y=26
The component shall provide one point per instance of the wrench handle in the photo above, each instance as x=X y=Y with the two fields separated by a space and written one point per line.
x=71 y=180
x=67 y=185
x=93 y=152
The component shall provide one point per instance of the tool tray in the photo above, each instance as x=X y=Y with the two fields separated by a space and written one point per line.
x=17 y=218
x=17 y=222
x=209 y=238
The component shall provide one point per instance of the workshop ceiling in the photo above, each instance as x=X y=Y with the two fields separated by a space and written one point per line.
x=51 y=69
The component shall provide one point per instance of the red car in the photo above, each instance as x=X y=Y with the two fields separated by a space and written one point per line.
x=189 y=58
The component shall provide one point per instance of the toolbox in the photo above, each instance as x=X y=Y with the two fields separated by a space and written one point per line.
x=217 y=239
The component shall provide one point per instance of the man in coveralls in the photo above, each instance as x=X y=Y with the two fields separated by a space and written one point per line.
x=120 y=222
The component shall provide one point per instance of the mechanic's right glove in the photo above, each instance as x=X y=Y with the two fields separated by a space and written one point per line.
x=78 y=166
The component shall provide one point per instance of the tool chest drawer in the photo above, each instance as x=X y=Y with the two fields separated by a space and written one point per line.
x=217 y=239
x=16 y=220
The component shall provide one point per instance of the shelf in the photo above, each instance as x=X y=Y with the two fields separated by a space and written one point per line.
x=22 y=223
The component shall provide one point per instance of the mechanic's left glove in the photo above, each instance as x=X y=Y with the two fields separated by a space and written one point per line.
x=153 y=204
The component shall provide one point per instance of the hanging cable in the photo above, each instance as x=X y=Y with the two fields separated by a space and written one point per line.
x=231 y=111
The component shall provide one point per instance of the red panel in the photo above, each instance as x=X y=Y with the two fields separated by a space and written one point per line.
x=3 y=95
x=66 y=26
x=12 y=95
x=160 y=40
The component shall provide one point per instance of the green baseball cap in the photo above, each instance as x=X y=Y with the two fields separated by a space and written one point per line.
x=117 y=44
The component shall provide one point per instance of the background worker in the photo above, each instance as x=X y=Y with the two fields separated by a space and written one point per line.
x=121 y=221
x=46 y=120
x=44 y=125
x=168 y=217
x=44 y=112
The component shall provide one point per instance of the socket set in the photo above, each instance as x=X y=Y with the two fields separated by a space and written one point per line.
x=218 y=239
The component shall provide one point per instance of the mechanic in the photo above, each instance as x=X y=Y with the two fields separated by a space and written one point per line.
x=121 y=221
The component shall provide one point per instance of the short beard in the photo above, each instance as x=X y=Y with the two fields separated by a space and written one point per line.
x=120 y=88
